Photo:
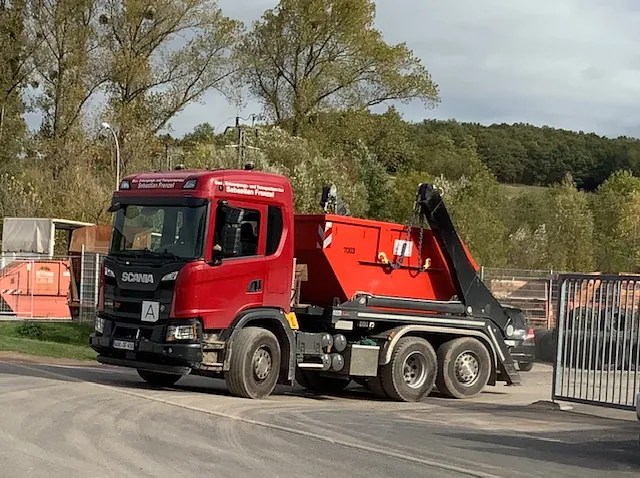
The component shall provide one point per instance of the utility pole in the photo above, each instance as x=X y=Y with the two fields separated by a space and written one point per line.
x=241 y=145
x=167 y=156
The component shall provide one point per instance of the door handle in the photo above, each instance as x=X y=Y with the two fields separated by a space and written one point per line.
x=255 y=285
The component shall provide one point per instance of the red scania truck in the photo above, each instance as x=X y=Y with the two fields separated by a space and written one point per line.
x=210 y=272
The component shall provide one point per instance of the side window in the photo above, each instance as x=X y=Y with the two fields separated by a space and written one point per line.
x=237 y=232
x=274 y=229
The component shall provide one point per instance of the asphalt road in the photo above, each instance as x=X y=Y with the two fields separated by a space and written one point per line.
x=59 y=421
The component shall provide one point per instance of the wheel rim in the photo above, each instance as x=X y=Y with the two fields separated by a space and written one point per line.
x=415 y=369
x=467 y=368
x=261 y=363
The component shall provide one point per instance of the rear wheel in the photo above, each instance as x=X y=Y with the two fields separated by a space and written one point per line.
x=411 y=373
x=255 y=363
x=159 y=379
x=464 y=367
x=525 y=366
x=375 y=386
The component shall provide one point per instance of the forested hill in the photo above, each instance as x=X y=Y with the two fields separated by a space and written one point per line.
x=527 y=154
x=516 y=154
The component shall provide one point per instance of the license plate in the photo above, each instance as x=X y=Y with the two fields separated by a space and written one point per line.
x=123 y=345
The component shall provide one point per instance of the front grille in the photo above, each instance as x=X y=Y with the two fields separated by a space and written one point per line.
x=126 y=304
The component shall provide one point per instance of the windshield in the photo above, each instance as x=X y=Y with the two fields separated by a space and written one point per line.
x=175 y=231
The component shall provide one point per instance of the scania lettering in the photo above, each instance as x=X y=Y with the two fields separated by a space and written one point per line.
x=211 y=273
x=135 y=277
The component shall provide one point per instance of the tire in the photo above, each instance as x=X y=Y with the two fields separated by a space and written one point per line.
x=321 y=384
x=255 y=363
x=411 y=373
x=159 y=379
x=375 y=386
x=525 y=366
x=467 y=383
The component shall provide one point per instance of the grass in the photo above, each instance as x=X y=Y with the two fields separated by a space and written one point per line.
x=59 y=340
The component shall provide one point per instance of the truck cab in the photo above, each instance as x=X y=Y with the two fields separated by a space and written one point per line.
x=190 y=252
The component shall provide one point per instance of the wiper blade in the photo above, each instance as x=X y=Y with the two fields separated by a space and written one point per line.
x=140 y=253
x=170 y=255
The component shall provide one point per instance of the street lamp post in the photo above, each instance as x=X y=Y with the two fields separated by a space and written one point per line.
x=115 y=138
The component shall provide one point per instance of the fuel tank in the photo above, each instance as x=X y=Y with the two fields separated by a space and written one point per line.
x=345 y=255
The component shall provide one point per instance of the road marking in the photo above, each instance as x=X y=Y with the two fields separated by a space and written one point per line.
x=87 y=368
x=314 y=436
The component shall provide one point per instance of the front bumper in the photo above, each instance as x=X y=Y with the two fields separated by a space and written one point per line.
x=147 y=348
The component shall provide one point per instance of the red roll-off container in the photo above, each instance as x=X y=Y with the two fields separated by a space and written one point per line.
x=345 y=255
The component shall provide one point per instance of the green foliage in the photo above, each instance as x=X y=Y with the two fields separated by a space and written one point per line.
x=615 y=209
x=570 y=229
x=30 y=330
x=14 y=71
x=300 y=160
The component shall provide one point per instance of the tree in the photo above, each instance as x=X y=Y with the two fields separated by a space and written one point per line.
x=614 y=206
x=372 y=174
x=308 y=56
x=16 y=66
x=275 y=150
x=68 y=65
x=161 y=56
x=165 y=55
x=570 y=229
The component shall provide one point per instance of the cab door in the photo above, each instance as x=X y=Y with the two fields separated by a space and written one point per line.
x=236 y=277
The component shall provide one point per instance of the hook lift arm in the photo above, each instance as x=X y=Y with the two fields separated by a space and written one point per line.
x=472 y=292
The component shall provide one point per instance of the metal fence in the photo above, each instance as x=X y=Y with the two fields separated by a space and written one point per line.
x=88 y=289
x=16 y=292
x=60 y=288
x=597 y=355
x=533 y=291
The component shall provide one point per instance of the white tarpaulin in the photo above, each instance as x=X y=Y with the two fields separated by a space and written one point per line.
x=28 y=235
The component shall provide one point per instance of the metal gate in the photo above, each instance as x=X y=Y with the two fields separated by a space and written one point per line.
x=598 y=333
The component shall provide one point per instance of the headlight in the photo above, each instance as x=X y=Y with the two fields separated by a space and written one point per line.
x=182 y=332
x=170 y=276
x=108 y=272
x=99 y=325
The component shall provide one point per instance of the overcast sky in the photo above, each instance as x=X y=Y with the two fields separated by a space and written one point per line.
x=571 y=64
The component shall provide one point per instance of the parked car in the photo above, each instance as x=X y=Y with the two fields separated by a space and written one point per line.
x=523 y=345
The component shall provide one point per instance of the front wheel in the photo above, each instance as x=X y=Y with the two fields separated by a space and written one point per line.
x=255 y=363
x=464 y=368
x=159 y=379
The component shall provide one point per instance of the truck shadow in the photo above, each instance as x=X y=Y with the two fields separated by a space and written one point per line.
x=614 y=450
